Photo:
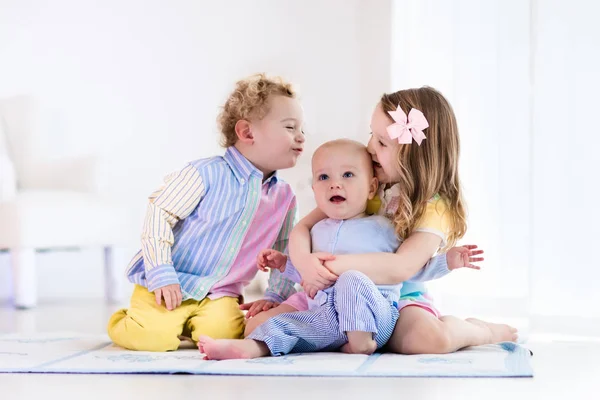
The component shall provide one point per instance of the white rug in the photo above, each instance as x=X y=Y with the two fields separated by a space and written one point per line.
x=85 y=354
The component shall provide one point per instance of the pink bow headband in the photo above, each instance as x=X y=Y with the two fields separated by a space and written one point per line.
x=405 y=129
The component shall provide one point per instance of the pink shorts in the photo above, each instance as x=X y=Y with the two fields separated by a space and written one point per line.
x=298 y=300
x=422 y=300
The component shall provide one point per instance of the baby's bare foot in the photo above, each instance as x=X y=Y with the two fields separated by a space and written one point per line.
x=364 y=347
x=228 y=349
x=498 y=332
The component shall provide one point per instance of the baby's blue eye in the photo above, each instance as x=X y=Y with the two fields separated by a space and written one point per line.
x=323 y=177
x=348 y=175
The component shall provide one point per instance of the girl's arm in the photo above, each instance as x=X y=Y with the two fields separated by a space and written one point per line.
x=390 y=268
x=310 y=265
x=300 y=243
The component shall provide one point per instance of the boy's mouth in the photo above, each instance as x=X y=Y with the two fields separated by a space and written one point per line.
x=337 y=199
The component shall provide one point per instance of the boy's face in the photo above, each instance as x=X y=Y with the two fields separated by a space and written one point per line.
x=343 y=180
x=278 y=136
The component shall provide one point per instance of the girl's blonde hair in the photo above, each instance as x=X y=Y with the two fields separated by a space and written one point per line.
x=432 y=167
x=249 y=100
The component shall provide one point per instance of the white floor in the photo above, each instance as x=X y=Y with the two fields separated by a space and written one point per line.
x=564 y=367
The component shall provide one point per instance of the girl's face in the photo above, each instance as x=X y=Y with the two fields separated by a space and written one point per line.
x=383 y=150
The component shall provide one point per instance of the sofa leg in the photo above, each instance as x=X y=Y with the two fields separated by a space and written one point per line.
x=22 y=262
x=112 y=276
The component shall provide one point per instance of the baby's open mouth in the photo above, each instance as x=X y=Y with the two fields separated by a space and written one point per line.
x=337 y=199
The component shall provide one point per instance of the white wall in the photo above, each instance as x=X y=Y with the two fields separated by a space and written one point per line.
x=139 y=83
x=129 y=79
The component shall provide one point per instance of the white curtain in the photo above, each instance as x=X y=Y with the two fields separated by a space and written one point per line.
x=522 y=77
x=565 y=272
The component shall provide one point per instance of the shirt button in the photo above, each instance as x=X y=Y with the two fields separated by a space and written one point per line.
x=242 y=181
x=202 y=288
x=243 y=222
x=232 y=249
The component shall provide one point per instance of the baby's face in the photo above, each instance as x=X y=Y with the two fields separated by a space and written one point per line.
x=343 y=180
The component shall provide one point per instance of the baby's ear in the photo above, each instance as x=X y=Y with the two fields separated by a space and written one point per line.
x=373 y=187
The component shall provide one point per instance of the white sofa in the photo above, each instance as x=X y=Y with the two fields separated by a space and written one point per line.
x=48 y=204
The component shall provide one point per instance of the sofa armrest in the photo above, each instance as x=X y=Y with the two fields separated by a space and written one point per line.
x=76 y=174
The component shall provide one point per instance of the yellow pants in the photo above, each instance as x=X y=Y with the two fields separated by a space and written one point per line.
x=149 y=327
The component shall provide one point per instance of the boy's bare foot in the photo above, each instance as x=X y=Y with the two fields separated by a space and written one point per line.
x=228 y=349
x=368 y=347
x=498 y=332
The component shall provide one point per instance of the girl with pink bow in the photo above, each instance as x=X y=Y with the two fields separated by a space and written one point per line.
x=414 y=147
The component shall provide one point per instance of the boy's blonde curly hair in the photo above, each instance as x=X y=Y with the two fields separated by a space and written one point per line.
x=249 y=100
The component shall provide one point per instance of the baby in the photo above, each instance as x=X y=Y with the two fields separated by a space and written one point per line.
x=353 y=315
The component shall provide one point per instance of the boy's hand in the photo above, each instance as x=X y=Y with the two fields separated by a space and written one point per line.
x=463 y=257
x=257 y=307
x=171 y=294
x=315 y=276
x=269 y=258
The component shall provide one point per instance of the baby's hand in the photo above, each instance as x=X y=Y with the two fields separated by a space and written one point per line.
x=171 y=294
x=269 y=258
x=257 y=307
x=463 y=257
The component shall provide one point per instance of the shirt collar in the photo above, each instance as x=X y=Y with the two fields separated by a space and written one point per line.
x=242 y=168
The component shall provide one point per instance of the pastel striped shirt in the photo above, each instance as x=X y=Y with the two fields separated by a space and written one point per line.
x=206 y=225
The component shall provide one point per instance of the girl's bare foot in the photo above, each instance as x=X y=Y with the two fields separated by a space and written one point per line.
x=498 y=332
x=228 y=349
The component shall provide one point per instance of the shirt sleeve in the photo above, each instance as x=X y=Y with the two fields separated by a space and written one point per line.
x=174 y=201
x=281 y=287
x=435 y=268
x=435 y=219
x=291 y=272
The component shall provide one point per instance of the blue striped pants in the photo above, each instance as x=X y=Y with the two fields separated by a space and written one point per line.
x=354 y=304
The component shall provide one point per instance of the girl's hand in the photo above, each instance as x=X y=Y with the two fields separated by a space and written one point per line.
x=463 y=257
x=269 y=258
x=257 y=307
x=315 y=276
